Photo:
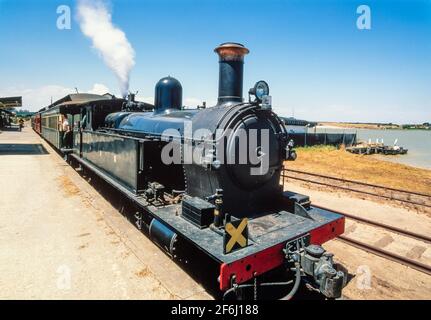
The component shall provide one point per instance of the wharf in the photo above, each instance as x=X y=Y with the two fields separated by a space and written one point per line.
x=376 y=148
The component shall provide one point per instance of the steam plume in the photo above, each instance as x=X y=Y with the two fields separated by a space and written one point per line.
x=111 y=42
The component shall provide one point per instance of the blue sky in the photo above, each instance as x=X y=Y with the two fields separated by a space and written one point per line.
x=318 y=64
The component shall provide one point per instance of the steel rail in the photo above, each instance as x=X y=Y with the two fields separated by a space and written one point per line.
x=400 y=231
x=386 y=254
x=380 y=252
x=419 y=266
x=359 y=182
x=362 y=191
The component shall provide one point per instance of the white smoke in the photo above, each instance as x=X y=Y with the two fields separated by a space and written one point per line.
x=95 y=21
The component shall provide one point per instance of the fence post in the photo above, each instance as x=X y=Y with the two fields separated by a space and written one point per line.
x=305 y=137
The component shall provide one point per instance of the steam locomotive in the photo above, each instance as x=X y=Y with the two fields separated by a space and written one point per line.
x=207 y=178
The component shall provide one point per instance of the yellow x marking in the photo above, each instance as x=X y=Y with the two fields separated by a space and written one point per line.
x=236 y=235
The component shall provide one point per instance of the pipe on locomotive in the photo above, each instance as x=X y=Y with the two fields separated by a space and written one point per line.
x=231 y=68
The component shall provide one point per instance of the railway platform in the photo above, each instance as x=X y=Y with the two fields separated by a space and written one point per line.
x=60 y=239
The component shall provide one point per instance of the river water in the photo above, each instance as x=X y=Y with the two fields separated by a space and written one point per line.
x=418 y=142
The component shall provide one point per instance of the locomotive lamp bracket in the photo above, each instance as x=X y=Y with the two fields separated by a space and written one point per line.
x=266 y=103
x=260 y=92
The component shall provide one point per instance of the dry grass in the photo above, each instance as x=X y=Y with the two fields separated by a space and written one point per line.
x=339 y=163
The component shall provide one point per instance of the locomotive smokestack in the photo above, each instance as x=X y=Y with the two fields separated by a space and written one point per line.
x=230 y=71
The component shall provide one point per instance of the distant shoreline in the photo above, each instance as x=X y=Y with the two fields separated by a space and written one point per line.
x=372 y=126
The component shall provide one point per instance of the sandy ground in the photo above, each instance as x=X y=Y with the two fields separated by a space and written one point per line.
x=375 y=277
x=59 y=239
x=329 y=161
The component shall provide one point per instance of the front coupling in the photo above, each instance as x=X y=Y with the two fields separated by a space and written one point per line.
x=319 y=265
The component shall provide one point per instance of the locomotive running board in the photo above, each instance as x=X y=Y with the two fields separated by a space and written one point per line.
x=267 y=234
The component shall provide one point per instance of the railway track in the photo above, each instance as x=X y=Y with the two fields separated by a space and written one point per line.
x=381 y=252
x=415 y=200
x=412 y=199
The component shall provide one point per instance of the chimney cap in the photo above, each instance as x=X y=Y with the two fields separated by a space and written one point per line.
x=231 y=50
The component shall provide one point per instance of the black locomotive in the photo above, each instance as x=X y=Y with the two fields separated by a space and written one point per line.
x=209 y=177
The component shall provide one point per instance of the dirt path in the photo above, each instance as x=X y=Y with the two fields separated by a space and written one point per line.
x=59 y=239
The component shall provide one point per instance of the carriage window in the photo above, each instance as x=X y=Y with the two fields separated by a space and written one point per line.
x=51 y=122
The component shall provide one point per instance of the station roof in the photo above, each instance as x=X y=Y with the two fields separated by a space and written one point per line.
x=77 y=98
x=70 y=104
x=74 y=99
x=11 y=102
